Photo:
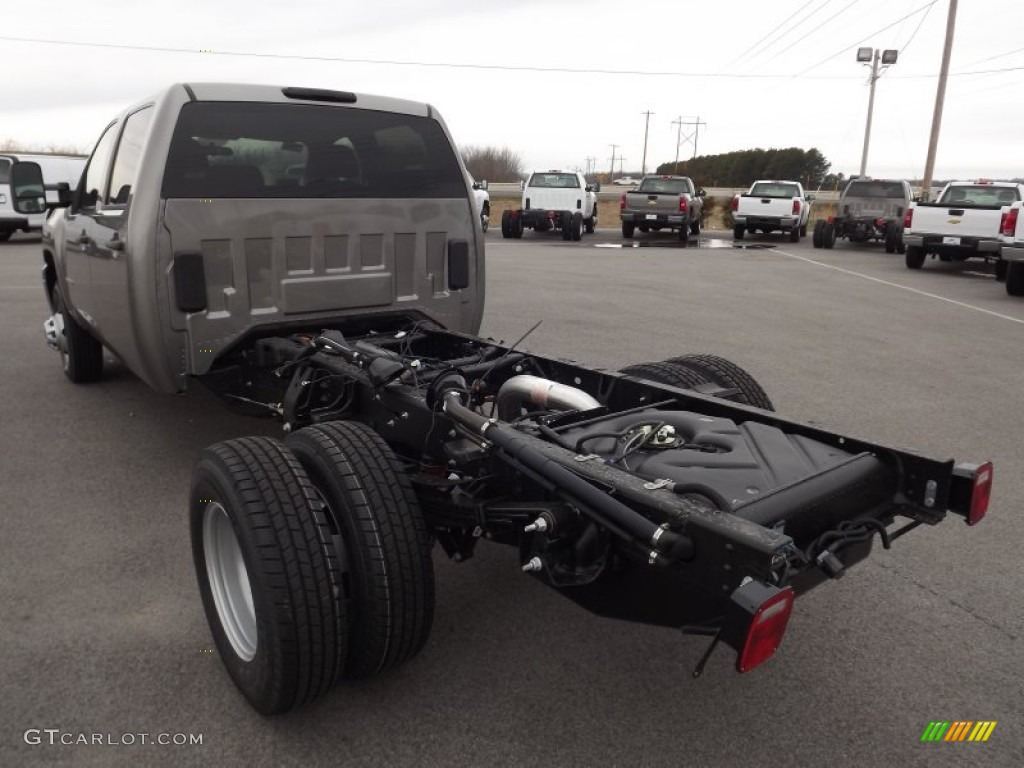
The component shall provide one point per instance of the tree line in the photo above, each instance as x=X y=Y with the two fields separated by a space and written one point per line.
x=740 y=168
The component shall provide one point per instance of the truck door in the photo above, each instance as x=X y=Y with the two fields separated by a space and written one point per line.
x=108 y=226
x=80 y=228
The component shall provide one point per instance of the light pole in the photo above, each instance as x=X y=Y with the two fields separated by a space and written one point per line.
x=612 y=175
x=871 y=56
x=647 y=123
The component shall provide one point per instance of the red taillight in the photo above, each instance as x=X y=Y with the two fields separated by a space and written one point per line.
x=796 y=207
x=1008 y=224
x=736 y=203
x=908 y=217
x=622 y=203
x=682 y=205
x=980 y=493
x=766 y=630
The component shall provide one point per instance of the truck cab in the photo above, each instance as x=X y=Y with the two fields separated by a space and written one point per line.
x=213 y=215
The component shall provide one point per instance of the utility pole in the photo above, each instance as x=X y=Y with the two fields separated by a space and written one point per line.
x=696 y=132
x=871 y=110
x=621 y=161
x=647 y=124
x=612 y=176
x=940 y=97
x=864 y=56
x=591 y=165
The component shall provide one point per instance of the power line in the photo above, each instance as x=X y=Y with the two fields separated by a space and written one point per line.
x=401 y=63
x=781 y=24
x=997 y=56
x=914 y=33
x=868 y=37
x=826 y=21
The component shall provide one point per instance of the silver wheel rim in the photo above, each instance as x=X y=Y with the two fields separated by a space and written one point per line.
x=62 y=334
x=229 y=581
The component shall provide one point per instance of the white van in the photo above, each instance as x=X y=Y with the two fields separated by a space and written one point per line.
x=57 y=170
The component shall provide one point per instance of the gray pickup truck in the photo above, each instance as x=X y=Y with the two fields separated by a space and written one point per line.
x=662 y=202
x=317 y=256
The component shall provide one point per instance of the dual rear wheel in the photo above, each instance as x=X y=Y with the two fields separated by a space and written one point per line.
x=313 y=561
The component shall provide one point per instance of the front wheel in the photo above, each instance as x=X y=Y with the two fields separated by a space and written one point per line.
x=268 y=575
x=738 y=231
x=803 y=230
x=485 y=218
x=695 y=227
x=794 y=235
x=1001 y=270
x=914 y=257
x=590 y=223
x=81 y=356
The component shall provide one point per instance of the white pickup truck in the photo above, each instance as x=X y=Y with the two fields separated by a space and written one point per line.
x=554 y=199
x=771 y=206
x=1010 y=265
x=963 y=222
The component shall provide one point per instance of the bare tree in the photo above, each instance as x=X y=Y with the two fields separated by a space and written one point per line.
x=493 y=163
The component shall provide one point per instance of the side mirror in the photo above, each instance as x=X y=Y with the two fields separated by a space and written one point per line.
x=522 y=183
x=810 y=198
x=476 y=185
x=597 y=186
x=702 y=193
x=27 y=188
x=64 y=195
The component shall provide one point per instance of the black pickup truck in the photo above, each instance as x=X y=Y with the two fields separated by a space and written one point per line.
x=316 y=256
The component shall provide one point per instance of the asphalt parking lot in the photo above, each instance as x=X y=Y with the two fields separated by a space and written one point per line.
x=103 y=632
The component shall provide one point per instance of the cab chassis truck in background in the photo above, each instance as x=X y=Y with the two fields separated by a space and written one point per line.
x=348 y=306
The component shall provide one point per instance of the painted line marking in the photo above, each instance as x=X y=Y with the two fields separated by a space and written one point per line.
x=902 y=287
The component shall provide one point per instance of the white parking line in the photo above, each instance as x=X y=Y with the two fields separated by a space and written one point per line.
x=902 y=287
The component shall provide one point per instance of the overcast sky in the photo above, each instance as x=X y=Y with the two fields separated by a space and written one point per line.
x=759 y=74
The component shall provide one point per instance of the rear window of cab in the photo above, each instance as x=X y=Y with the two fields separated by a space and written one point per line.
x=554 y=180
x=263 y=150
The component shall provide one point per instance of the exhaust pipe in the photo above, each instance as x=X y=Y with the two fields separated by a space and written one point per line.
x=519 y=390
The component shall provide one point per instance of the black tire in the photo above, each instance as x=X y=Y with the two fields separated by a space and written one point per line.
x=81 y=355
x=666 y=373
x=1015 y=278
x=1000 y=270
x=485 y=217
x=517 y=227
x=738 y=231
x=576 y=226
x=803 y=230
x=644 y=228
x=794 y=235
x=590 y=223
x=695 y=227
x=627 y=229
x=828 y=235
x=890 y=238
x=684 y=235
x=5 y=236
x=566 y=225
x=726 y=373
x=914 y=257
x=389 y=573
x=506 y=224
x=817 y=236
x=253 y=492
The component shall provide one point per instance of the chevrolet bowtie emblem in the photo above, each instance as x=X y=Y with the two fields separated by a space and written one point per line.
x=954 y=221
x=652 y=202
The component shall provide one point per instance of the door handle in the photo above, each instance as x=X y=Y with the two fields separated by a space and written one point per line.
x=114 y=245
x=82 y=239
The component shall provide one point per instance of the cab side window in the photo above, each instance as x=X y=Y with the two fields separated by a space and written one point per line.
x=96 y=172
x=129 y=152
